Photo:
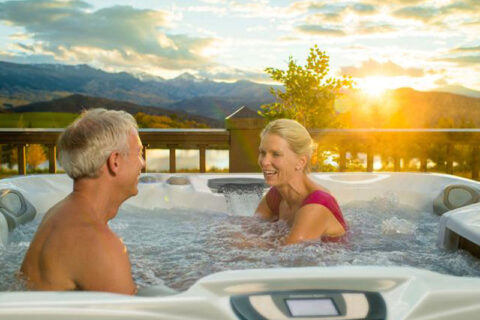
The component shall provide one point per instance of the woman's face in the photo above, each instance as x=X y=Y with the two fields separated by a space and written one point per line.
x=277 y=160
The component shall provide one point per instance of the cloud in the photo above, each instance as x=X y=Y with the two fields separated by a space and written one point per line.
x=363 y=8
x=463 y=60
x=374 y=29
x=463 y=6
x=422 y=13
x=463 y=56
x=374 y=68
x=320 y=30
x=403 y=2
x=336 y=12
x=466 y=49
x=71 y=30
x=345 y=19
x=261 y=9
x=462 y=10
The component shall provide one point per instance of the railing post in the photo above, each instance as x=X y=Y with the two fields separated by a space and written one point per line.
x=423 y=158
x=52 y=158
x=449 y=158
x=342 y=166
x=203 y=162
x=144 y=153
x=244 y=126
x=396 y=162
x=475 y=162
x=423 y=163
x=21 y=159
x=369 y=158
x=173 y=158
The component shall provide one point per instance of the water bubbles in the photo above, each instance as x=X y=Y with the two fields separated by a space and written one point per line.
x=242 y=200
x=393 y=226
x=180 y=246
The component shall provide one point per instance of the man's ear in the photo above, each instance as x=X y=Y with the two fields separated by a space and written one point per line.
x=113 y=164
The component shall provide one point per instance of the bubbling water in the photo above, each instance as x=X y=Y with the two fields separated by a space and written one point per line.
x=242 y=200
x=177 y=246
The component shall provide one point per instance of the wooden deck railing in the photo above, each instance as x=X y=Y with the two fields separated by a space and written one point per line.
x=172 y=139
x=393 y=143
x=396 y=143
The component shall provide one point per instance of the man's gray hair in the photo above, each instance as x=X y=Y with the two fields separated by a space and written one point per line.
x=86 y=144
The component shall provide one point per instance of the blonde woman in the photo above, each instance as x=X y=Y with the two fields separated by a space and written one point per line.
x=309 y=209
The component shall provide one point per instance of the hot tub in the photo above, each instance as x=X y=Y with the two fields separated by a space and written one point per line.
x=225 y=264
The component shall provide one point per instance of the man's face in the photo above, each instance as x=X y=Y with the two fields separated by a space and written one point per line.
x=132 y=165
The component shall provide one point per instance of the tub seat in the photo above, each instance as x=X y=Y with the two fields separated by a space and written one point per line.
x=460 y=223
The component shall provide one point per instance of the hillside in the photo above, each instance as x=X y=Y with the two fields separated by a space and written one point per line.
x=427 y=108
x=408 y=108
x=76 y=103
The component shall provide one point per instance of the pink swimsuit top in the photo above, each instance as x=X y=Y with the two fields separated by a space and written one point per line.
x=320 y=197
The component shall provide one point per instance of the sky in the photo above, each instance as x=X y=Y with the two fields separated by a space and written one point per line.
x=381 y=44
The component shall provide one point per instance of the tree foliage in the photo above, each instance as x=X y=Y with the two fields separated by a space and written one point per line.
x=35 y=155
x=309 y=93
x=151 y=121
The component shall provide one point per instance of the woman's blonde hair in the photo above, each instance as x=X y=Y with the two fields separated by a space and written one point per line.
x=86 y=144
x=295 y=134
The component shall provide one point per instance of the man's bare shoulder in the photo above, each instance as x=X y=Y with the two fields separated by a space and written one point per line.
x=105 y=265
x=68 y=228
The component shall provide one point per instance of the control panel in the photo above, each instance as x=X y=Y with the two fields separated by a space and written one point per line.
x=310 y=304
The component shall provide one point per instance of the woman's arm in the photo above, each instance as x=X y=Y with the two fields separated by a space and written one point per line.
x=311 y=222
x=263 y=211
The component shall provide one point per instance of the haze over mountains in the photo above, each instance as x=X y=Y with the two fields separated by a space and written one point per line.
x=63 y=88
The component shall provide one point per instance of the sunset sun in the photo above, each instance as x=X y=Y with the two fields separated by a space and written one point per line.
x=375 y=86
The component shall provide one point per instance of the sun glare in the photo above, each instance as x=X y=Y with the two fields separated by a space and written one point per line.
x=374 y=86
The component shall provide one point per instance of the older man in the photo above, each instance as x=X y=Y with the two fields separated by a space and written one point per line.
x=74 y=248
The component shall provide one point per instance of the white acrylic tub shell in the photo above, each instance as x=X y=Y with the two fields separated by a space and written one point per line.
x=409 y=293
x=413 y=189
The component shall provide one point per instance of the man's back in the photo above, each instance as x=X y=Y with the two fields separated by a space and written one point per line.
x=72 y=250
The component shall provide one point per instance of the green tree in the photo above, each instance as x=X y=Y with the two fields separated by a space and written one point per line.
x=309 y=94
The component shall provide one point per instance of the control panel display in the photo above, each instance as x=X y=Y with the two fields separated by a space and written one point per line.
x=311 y=307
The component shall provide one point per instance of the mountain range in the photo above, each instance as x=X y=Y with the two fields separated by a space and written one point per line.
x=64 y=88
x=22 y=84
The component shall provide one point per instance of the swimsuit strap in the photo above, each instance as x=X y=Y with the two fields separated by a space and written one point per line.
x=320 y=197
x=327 y=200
